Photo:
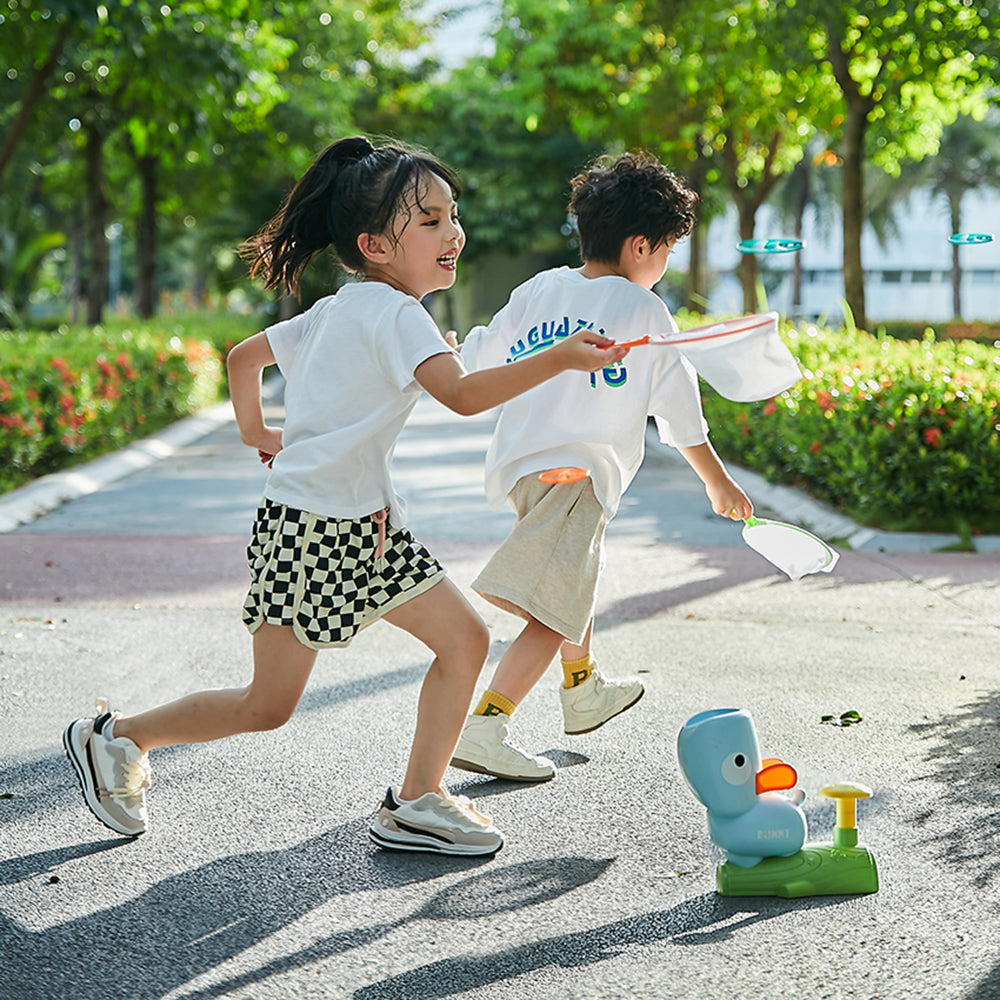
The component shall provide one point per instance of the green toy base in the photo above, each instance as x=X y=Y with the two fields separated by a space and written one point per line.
x=816 y=870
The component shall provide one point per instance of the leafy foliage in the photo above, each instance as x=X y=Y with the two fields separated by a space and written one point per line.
x=77 y=393
x=903 y=435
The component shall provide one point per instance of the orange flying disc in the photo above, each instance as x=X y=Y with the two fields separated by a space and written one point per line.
x=570 y=474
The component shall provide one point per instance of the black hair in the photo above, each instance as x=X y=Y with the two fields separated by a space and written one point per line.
x=630 y=195
x=352 y=188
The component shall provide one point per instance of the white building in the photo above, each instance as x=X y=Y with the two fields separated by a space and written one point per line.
x=909 y=278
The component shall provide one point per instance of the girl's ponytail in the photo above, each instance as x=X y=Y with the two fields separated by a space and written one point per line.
x=352 y=188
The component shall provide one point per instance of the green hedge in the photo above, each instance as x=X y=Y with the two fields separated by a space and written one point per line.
x=902 y=435
x=74 y=394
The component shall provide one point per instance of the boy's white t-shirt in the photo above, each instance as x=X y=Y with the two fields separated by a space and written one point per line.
x=348 y=363
x=593 y=420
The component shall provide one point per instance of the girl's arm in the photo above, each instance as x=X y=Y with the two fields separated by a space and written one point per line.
x=726 y=497
x=246 y=363
x=467 y=393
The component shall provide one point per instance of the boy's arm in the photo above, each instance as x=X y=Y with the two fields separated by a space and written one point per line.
x=726 y=497
x=245 y=364
x=467 y=393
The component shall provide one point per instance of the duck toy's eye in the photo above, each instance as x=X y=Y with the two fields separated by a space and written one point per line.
x=736 y=769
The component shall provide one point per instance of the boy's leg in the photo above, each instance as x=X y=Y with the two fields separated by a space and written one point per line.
x=576 y=660
x=484 y=746
x=589 y=699
x=526 y=660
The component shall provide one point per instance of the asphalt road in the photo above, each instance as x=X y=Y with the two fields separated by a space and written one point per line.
x=256 y=879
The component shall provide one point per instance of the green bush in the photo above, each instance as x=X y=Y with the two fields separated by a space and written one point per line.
x=903 y=435
x=73 y=394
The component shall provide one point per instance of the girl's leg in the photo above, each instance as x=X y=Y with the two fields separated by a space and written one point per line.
x=281 y=667
x=443 y=620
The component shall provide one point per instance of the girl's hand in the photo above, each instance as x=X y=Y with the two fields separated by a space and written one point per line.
x=268 y=445
x=590 y=352
x=451 y=339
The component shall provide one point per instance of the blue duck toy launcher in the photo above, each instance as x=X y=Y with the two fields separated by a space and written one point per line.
x=754 y=815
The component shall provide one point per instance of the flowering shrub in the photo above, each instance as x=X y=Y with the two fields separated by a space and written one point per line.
x=75 y=394
x=903 y=435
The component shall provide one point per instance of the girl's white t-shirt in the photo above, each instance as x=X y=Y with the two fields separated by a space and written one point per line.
x=593 y=420
x=348 y=363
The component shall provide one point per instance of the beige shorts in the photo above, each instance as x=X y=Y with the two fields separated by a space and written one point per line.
x=549 y=565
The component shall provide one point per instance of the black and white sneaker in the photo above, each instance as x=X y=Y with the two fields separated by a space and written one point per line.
x=441 y=824
x=114 y=773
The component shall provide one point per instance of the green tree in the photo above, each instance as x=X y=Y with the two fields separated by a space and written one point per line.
x=903 y=72
x=968 y=160
x=33 y=39
x=703 y=85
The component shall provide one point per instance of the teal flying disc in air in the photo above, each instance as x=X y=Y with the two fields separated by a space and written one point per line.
x=769 y=246
x=970 y=239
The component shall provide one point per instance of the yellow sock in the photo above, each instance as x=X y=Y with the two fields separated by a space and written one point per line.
x=492 y=703
x=576 y=671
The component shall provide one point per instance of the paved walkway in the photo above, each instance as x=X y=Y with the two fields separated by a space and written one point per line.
x=256 y=881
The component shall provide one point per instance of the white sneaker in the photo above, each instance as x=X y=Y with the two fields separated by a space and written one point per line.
x=441 y=824
x=114 y=773
x=483 y=747
x=589 y=705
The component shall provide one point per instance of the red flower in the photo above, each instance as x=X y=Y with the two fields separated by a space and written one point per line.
x=770 y=407
x=815 y=448
x=824 y=400
x=932 y=436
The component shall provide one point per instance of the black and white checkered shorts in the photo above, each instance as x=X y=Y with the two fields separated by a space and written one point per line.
x=320 y=576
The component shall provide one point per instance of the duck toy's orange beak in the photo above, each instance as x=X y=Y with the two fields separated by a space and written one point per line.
x=775 y=776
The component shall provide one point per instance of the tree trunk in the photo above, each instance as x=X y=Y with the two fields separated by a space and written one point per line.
x=801 y=204
x=855 y=124
x=955 y=210
x=97 y=203
x=748 y=200
x=748 y=262
x=76 y=270
x=33 y=95
x=697 y=295
x=146 y=239
x=853 y=202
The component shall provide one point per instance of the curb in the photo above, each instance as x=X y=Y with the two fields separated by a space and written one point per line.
x=31 y=501
x=792 y=505
x=37 y=498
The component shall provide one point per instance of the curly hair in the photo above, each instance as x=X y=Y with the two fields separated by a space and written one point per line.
x=629 y=195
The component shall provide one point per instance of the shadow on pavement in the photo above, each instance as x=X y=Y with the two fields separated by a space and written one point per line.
x=205 y=917
x=963 y=754
x=704 y=919
x=692 y=573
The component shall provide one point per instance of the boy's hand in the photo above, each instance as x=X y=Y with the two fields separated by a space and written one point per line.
x=728 y=500
x=590 y=352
